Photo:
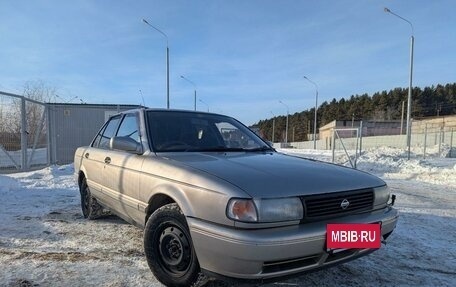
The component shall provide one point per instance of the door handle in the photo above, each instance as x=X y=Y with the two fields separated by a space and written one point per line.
x=86 y=155
x=107 y=159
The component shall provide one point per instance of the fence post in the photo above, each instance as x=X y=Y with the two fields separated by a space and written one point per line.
x=23 y=135
x=451 y=142
x=356 y=149
x=360 y=137
x=48 y=127
x=440 y=140
x=333 y=144
x=37 y=136
x=425 y=139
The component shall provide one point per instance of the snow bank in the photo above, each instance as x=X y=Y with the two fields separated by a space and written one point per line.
x=392 y=163
x=8 y=184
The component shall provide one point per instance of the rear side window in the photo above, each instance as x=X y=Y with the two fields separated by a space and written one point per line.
x=109 y=132
x=129 y=127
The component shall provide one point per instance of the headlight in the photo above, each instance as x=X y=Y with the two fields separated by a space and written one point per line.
x=382 y=194
x=242 y=210
x=279 y=209
x=265 y=210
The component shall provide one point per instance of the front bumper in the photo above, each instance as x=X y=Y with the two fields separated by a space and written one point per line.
x=275 y=252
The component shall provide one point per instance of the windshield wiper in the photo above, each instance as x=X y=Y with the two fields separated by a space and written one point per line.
x=263 y=148
x=229 y=149
x=235 y=149
x=221 y=148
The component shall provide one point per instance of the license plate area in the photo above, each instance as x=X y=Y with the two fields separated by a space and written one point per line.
x=340 y=237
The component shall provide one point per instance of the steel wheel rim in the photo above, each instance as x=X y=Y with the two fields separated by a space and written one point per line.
x=175 y=250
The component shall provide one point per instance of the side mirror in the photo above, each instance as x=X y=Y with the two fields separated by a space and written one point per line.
x=126 y=144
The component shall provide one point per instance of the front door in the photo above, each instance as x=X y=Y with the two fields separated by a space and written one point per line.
x=95 y=157
x=122 y=171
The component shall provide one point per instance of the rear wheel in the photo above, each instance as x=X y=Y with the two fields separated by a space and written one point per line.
x=169 y=248
x=91 y=209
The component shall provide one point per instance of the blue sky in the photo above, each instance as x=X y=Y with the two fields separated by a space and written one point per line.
x=244 y=56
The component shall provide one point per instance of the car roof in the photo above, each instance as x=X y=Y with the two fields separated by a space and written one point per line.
x=164 y=110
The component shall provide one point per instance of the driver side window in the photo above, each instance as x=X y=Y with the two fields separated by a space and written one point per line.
x=108 y=132
x=129 y=127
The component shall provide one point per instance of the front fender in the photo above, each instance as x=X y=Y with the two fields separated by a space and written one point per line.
x=171 y=191
x=195 y=201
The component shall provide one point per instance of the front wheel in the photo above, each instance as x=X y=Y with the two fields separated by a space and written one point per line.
x=169 y=249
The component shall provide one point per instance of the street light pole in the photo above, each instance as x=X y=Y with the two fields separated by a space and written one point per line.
x=167 y=60
x=194 y=86
x=286 y=127
x=409 y=98
x=273 y=125
x=316 y=107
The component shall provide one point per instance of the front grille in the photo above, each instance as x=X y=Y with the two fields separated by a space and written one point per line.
x=329 y=204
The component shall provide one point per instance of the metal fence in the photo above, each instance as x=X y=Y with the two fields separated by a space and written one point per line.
x=24 y=137
x=437 y=139
x=35 y=134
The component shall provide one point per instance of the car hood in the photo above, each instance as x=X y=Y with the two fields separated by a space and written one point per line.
x=266 y=175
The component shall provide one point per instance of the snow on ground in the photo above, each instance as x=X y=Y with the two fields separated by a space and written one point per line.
x=45 y=241
x=39 y=157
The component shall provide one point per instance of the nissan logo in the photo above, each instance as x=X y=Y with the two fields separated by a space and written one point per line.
x=344 y=204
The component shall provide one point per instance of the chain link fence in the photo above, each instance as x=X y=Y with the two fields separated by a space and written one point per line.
x=434 y=137
x=24 y=142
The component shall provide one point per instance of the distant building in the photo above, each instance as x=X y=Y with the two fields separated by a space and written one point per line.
x=370 y=128
x=434 y=124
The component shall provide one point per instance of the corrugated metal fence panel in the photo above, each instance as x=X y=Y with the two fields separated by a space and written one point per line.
x=75 y=125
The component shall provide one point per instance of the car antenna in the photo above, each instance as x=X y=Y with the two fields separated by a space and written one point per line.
x=144 y=103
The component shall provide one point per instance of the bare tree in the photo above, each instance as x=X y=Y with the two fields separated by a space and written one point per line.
x=11 y=115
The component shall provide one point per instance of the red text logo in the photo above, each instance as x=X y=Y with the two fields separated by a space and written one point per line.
x=353 y=236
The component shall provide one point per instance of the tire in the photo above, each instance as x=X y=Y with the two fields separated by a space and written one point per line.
x=169 y=248
x=91 y=209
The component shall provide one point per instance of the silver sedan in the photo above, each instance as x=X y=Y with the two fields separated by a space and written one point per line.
x=215 y=199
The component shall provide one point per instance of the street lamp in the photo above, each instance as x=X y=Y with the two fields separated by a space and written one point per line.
x=205 y=104
x=409 y=98
x=286 y=127
x=316 y=107
x=194 y=86
x=167 y=61
x=273 y=126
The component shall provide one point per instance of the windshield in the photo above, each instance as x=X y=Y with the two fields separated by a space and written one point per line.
x=189 y=131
